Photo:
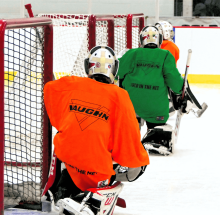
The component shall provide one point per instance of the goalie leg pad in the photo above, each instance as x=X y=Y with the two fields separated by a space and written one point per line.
x=96 y=201
x=159 y=140
x=171 y=108
x=109 y=197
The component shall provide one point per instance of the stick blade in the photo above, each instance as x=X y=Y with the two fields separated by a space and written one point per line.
x=200 y=112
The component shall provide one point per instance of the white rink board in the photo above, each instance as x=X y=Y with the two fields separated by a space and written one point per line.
x=205 y=46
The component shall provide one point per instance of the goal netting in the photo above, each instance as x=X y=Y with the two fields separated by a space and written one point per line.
x=27 y=142
x=75 y=35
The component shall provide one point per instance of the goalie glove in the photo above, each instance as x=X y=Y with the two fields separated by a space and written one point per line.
x=186 y=103
x=177 y=101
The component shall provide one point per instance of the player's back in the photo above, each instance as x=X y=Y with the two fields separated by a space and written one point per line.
x=146 y=73
x=144 y=81
x=89 y=115
x=83 y=108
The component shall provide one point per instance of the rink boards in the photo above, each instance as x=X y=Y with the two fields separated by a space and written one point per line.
x=204 y=42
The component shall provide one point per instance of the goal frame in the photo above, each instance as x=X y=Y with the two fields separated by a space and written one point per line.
x=48 y=76
x=129 y=26
x=110 y=19
x=121 y=32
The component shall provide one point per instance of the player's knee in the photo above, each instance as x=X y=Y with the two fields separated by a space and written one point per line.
x=129 y=174
x=93 y=201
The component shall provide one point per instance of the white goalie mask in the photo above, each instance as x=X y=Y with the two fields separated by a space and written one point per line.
x=102 y=60
x=150 y=35
x=166 y=29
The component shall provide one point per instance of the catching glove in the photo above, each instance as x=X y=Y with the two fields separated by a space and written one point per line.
x=186 y=103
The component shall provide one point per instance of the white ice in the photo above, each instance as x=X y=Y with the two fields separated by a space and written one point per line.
x=187 y=182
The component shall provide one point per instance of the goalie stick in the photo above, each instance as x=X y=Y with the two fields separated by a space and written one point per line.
x=180 y=111
x=199 y=113
x=201 y=108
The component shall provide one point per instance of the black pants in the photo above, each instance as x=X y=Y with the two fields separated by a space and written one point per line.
x=66 y=187
x=150 y=125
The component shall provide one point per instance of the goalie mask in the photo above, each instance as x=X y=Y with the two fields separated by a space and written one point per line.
x=102 y=61
x=150 y=35
x=166 y=29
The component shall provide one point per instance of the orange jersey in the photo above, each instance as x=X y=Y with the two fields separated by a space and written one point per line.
x=172 y=47
x=97 y=124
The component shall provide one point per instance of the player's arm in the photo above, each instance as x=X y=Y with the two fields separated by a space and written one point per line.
x=126 y=147
x=175 y=82
x=171 y=74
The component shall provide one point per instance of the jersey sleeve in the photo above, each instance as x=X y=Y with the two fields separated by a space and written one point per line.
x=177 y=54
x=171 y=74
x=126 y=64
x=52 y=101
x=126 y=148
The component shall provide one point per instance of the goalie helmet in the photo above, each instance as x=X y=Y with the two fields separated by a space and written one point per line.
x=150 y=35
x=166 y=29
x=101 y=61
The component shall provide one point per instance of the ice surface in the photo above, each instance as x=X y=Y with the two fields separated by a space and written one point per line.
x=187 y=182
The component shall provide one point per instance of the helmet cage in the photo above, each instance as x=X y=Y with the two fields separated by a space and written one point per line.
x=167 y=29
x=102 y=65
x=150 y=35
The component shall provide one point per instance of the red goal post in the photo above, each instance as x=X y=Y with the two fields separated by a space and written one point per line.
x=25 y=131
x=134 y=25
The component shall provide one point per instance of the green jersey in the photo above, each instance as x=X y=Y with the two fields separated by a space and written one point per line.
x=147 y=73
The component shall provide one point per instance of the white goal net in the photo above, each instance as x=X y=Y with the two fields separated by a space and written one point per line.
x=74 y=37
